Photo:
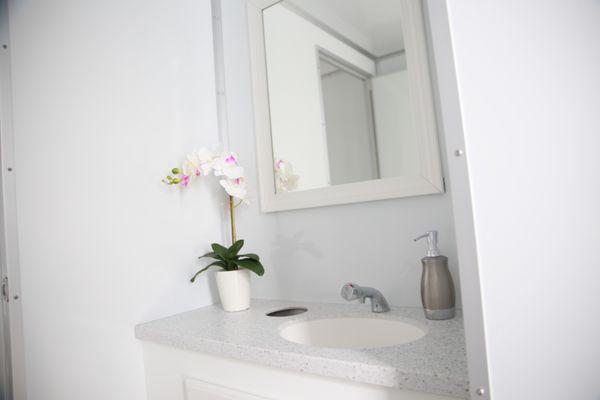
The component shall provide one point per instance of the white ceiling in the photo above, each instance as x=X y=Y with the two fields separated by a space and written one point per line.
x=373 y=25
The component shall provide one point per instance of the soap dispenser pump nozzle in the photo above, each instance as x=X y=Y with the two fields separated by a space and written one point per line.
x=432 y=243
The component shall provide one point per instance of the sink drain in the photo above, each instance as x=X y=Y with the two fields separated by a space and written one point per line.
x=287 y=312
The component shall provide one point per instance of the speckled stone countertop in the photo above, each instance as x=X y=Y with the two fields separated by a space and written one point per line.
x=436 y=363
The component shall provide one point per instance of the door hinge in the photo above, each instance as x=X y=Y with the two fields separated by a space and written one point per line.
x=444 y=183
x=5 y=295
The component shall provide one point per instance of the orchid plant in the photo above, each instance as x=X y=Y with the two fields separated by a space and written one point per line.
x=225 y=166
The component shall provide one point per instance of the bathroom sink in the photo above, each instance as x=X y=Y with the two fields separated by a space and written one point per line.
x=352 y=333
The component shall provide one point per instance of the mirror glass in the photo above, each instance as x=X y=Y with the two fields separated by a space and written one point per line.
x=338 y=93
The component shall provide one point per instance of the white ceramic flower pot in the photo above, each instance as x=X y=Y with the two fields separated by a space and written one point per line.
x=234 y=289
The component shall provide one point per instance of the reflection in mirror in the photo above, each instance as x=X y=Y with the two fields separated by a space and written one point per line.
x=349 y=129
x=338 y=93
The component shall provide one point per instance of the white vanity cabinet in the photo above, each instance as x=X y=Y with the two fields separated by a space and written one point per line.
x=174 y=374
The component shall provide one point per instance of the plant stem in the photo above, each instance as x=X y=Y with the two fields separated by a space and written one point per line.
x=232 y=219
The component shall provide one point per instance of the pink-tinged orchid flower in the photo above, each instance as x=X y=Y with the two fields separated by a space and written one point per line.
x=192 y=166
x=185 y=180
x=278 y=164
x=285 y=178
x=227 y=159
x=231 y=159
x=203 y=162
x=227 y=165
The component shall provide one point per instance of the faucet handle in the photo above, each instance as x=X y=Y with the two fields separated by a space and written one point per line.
x=351 y=291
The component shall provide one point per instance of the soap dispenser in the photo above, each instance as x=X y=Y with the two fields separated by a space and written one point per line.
x=437 y=288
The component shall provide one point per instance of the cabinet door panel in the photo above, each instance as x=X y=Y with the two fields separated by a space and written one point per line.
x=200 y=390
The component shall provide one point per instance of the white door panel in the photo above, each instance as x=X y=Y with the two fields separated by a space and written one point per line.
x=200 y=390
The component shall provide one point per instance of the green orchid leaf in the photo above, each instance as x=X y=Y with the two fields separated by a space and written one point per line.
x=230 y=260
x=211 y=254
x=214 y=255
x=235 y=248
x=230 y=265
x=252 y=265
x=220 y=250
x=214 y=263
x=251 y=256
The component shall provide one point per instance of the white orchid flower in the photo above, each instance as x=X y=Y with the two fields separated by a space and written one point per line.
x=191 y=166
x=285 y=179
x=205 y=155
x=289 y=184
x=206 y=160
x=235 y=187
x=227 y=165
x=233 y=172
x=225 y=160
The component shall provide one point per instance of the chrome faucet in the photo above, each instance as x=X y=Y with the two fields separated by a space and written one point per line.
x=351 y=291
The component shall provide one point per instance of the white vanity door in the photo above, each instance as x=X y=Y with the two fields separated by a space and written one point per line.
x=174 y=374
x=200 y=390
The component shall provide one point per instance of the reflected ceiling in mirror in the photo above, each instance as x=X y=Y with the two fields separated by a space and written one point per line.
x=338 y=93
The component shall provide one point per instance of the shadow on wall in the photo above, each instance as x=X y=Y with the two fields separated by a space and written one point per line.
x=289 y=246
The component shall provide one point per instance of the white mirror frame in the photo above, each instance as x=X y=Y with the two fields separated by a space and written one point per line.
x=430 y=179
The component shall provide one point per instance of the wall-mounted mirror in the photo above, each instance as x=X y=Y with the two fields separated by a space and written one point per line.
x=343 y=102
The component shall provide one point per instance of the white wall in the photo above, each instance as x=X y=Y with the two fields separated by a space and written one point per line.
x=310 y=254
x=529 y=86
x=107 y=95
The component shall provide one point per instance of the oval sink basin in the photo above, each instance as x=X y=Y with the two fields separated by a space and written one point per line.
x=352 y=333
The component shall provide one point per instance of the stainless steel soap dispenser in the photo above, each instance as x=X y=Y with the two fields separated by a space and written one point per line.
x=437 y=288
